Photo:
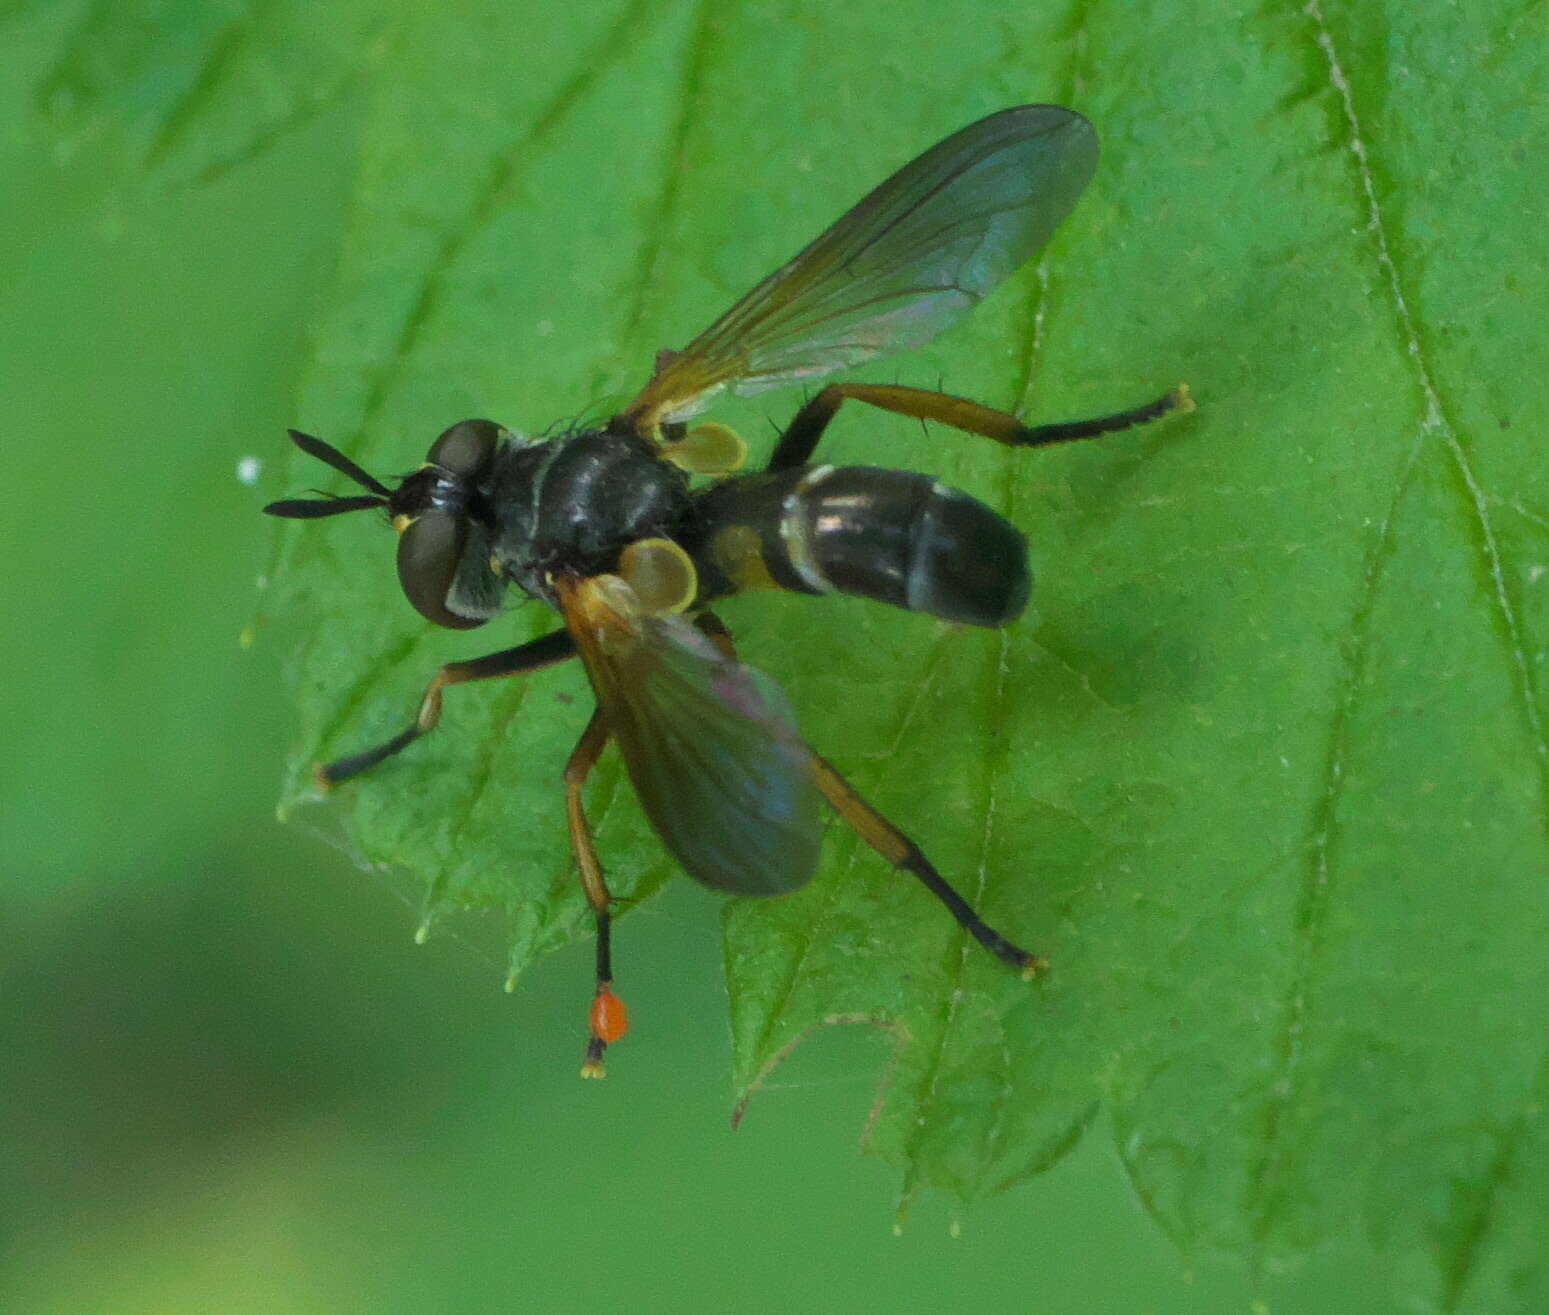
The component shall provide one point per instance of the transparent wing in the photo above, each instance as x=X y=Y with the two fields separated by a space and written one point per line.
x=908 y=261
x=710 y=745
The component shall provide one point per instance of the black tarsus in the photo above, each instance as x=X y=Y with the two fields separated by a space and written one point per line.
x=800 y=438
x=604 y=948
x=1038 y=435
x=553 y=647
x=967 y=918
x=596 y=1047
x=344 y=768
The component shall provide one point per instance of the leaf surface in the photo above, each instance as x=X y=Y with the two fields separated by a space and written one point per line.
x=1265 y=770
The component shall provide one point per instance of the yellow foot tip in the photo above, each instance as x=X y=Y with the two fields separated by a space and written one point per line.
x=320 y=778
x=593 y=1069
x=1034 y=967
x=1185 y=400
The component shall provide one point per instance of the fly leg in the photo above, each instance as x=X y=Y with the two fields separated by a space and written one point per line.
x=903 y=853
x=516 y=661
x=714 y=629
x=887 y=839
x=801 y=436
x=608 y=1020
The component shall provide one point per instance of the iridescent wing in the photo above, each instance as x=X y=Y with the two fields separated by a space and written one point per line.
x=907 y=262
x=710 y=745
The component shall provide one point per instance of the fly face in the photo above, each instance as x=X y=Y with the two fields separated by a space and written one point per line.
x=445 y=528
x=443 y=517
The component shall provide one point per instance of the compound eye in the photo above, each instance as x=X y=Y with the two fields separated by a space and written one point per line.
x=430 y=550
x=466 y=447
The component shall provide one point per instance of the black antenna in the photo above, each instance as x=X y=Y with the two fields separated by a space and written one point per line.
x=328 y=504
x=331 y=456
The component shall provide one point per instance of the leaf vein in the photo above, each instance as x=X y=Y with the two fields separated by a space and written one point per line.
x=996 y=763
x=1313 y=905
x=223 y=51
x=307 y=108
x=1477 y=1229
x=809 y=933
x=490 y=744
x=674 y=170
x=1436 y=420
x=504 y=176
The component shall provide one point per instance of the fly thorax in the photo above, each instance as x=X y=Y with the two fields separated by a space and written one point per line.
x=572 y=504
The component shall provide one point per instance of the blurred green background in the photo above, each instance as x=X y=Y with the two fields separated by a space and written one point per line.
x=230 y=1080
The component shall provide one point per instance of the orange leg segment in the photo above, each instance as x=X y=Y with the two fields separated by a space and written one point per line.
x=801 y=436
x=903 y=853
x=888 y=840
x=608 y=1019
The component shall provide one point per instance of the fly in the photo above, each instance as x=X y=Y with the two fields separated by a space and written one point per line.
x=607 y=526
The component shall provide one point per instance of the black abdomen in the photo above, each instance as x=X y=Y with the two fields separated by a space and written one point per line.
x=891 y=535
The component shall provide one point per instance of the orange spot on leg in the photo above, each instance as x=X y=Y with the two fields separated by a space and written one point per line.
x=609 y=1018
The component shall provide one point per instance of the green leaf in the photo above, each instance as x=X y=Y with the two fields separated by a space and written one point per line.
x=198 y=86
x=1265 y=772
